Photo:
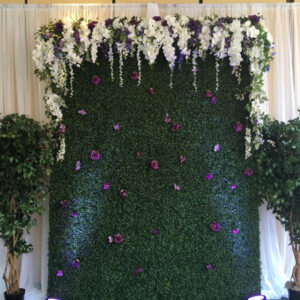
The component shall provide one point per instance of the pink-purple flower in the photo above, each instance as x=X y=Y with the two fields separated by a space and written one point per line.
x=213 y=100
x=59 y=273
x=106 y=186
x=110 y=239
x=76 y=263
x=216 y=147
x=74 y=214
x=248 y=172
x=78 y=165
x=154 y=164
x=118 y=239
x=208 y=176
x=139 y=155
x=233 y=186
x=64 y=203
x=138 y=270
x=82 y=112
x=175 y=127
x=215 y=227
x=135 y=75
x=208 y=94
x=59 y=26
x=167 y=118
x=235 y=231
x=96 y=79
x=176 y=187
x=122 y=194
x=95 y=155
x=209 y=267
x=182 y=159
x=155 y=231
x=117 y=127
x=151 y=91
x=238 y=126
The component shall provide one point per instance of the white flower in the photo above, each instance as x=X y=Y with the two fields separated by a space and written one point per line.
x=252 y=32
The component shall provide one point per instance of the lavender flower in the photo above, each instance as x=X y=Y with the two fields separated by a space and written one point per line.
x=238 y=126
x=215 y=227
x=235 y=231
x=95 y=155
x=117 y=127
x=167 y=118
x=74 y=214
x=59 y=26
x=208 y=176
x=248 y=172
x=59 y=273
x=82 y=112
x=216 y=147
x=76 y=263
x=106 y=186
x=209 y=267
x=78 y=165
x=110 y=239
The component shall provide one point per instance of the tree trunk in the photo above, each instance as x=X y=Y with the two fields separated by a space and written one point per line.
x=296 y=270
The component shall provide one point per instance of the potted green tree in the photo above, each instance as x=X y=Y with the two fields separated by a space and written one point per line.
x=278 y=175
x=26 y=154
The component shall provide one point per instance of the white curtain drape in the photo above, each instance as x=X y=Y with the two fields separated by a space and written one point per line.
x=21 y=92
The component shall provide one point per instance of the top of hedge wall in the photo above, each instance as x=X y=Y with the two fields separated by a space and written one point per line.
x=63 y=44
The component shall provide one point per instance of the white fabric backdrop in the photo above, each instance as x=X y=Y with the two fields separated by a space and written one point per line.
x=21 y=92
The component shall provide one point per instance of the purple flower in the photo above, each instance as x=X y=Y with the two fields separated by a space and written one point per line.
x=59 y=273
x=155 y=231
x=96 y=80
x=74 y=214
x=76 y=36
x=134 y=75
x=59 y=26
x=64 y=203
x=154 y=164
x=167 y=118
x=95 y=155
x=164 y=23
x=78 y=165
x=82 y=112
x=118 y=239
x=209 y=267
x=215 y=227
x=117 y=127
x=122 y=194
x=254 y=19
x=138 y=270
x=176 y=187
x=208 y=94
x=213 y=100
x=138 y=155
x=48 y=35
x=106 y=186
x=151 y=91
x=62 y=128
x=110 y=239
x=208 y=176
x=248 y=172
x=76 y=263
x=216 y=147
x=156 y=18
x=238 y=126
x=108 y=22
x=134 y=21
x=175 y=127
x=182 y=159
x=233 y=187
x=92 y=25
x=235 y=231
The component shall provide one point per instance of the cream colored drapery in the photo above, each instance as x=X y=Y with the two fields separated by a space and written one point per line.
x=21 y=92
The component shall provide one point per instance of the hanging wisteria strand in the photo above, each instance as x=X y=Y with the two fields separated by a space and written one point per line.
x=70 y=42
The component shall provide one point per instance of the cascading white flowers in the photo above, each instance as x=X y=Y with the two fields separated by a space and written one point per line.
x=61 y=45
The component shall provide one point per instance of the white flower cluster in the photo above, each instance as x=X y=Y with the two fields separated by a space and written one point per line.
x=58 y=47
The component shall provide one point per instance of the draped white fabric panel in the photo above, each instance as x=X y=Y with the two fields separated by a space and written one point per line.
x=21 y=92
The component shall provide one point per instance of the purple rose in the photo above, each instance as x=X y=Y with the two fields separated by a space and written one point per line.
x=118 y=239
x=108 y=22
x=175 y=127
x=154 y=164
x=151 y=91
x=76 y=263
x=208 y=176
x=254 y=19
x=122 y=194
x=59 y=273
x=138 y=270
x=106 y=186
x=64 y=203
x=96 y=80
x=117 y=127
x=59 y=26
x=156 y=18
x=155 y=231
x=135 y=75
x=216 y=147
x=248 y=172
x=139 y=155
x=95 y=155
x=208 y=94
x=215 y=227
x=209 y=267
x=238 y=126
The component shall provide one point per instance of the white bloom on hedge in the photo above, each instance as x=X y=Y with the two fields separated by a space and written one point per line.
x=62 y=150
x=270 y=37
x=252 y=32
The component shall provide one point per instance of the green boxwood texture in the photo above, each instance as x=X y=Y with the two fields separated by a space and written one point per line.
x=174 y=260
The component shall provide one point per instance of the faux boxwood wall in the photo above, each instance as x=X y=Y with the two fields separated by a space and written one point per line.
x=174 y=260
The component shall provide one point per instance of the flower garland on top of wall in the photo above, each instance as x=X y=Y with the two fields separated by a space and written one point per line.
x=61 y=45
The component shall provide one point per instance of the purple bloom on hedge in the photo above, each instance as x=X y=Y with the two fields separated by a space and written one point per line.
x=233 y=187
x=254 y=19
x=96 y=79
x=122 y=194
x=176 y=187
x=208 y=93
x=106 y=186
x=235 y=231
x=238 y=126
x=208 y=176
x=167 y=118
x=209 y=267
x=134 y=21
x=76 y=263
x=135 y=75
x=155 y=231
x=213 y=100
x=92 y=25
x=82 y=112
x=78 y=165
x=215 y=227
x=74 y=214
x=117 y=127
x=48 y=35
x=59 y=273
x=59 y=26
x=138 y=270
x=151 y=91
x=108 y=22
x=175 y=127
x=64 y=203
x=171 y=31
x=110 y=239
x=128 y=44
x=154 y=164
x=139 y=155
x=216 y=147
x=156 y=18
x=95 y=155
x=248 y=172
x=182 y=159
x=227 y=42
x=118 y=239
x=76 y=36
x=62 y=128
x=164 y=23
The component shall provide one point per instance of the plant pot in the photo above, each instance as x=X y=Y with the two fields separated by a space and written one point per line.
x=294 y=295
x=18 y=296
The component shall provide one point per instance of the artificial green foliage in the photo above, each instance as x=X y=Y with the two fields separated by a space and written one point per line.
x=278 y=168
x=173 y=260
